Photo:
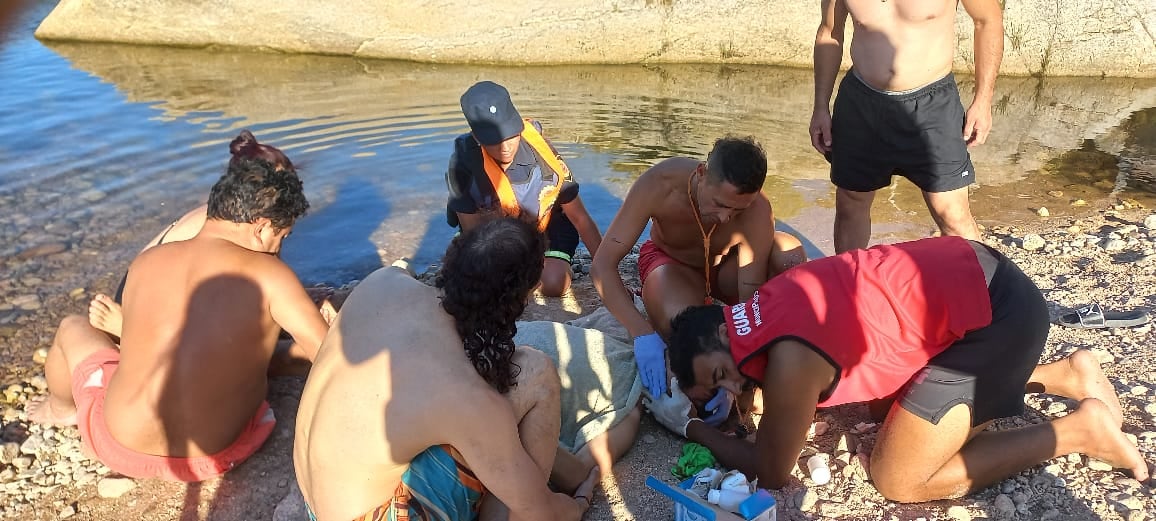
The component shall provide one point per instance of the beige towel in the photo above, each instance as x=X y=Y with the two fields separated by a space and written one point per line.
x=600 y=383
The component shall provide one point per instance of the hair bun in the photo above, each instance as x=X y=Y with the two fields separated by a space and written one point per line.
x=243 y=141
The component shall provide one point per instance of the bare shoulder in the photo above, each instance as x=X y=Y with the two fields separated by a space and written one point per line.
x=669 y=171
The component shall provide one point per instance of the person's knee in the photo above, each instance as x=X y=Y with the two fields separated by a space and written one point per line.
x=895 y=486
x=788 y=252
x=852 y=201
x=69 y=327
x=555 y=277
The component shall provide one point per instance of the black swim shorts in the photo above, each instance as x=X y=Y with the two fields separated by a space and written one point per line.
x=916 y=134
x=989 y=367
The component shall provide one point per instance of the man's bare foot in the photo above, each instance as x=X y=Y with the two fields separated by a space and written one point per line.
x=45 y=411
x=1095 y=384
x=586 y=489
x=105 y=315
x=1106 y=442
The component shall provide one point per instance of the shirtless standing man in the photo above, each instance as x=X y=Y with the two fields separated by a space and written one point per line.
x=692 y=203
x=898 y=108
x=419 y=402
x=183 y=398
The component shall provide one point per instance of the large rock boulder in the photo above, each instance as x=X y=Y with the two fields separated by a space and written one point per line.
x=1043 y=37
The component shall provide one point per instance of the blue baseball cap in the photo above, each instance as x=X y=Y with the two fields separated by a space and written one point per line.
x=491 y=113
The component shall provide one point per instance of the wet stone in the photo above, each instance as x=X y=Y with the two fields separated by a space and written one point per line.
x=42 y=250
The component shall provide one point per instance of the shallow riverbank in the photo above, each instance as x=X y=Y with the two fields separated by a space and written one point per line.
x=1107 y=257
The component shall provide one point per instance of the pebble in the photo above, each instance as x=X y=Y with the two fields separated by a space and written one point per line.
x=1150 y=408
x=649 y=438
x=22 y=462
x=1079 y=202
x=76 y=293
x=1043 y=212
x=1131 y=502
x=1074 y=229
x=1150 y=222
x=1003 y=507
x=1138 y=390
x=9 y=452
x=39 y=382
x=1056 y=193
x=42 y=250
x=1115 y=245
x=958 y=513
x=808 y=501
x=819 y=428
x=1032 y=242
x=1048 y=514
x=68 y=512
x=32 y=446
x=114 y=487
x=846 y=443
x=1019 y=498
x=40 y=356
x=1008 y=486
x=1096 y=464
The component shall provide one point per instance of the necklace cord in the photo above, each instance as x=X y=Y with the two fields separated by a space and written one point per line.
x=705 y=235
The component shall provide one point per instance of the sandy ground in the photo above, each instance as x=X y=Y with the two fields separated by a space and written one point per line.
x=1106 y=257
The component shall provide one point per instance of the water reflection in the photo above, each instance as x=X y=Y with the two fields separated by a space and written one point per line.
x=101 y=145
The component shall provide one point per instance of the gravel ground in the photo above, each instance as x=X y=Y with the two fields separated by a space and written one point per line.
x=1108 y=257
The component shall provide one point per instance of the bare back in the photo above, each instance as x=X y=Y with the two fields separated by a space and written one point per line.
x=196 y=343
x=902 y=44
x=390 y=372
x=674 y=227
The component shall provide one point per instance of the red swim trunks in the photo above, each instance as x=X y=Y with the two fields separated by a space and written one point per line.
x=650 y=257
x=89 y=382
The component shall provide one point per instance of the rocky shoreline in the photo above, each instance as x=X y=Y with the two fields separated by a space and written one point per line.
x=1108 y=257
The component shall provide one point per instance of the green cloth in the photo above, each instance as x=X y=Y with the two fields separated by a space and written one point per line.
x=694 y=458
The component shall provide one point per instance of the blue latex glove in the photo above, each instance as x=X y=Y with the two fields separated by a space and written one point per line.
x=719 y=407
x=650 y=354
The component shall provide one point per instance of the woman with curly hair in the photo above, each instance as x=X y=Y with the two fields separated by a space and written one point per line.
x=419 y=401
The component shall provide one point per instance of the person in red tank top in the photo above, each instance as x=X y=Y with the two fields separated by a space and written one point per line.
x=948 y=328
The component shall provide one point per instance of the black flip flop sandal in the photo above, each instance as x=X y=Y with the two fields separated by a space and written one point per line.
x=1094 y=317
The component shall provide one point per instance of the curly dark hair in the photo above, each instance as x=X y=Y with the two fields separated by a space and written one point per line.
x=694 y=332
x=485 y=279
x=255 y=188
x=739 y=161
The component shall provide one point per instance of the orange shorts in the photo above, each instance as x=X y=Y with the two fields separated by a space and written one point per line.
x=89 y=382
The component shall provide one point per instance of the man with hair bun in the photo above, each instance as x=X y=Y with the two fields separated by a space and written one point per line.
x=183 y=395
x=419 y=402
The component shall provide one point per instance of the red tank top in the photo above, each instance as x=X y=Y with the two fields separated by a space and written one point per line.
x=878 y=315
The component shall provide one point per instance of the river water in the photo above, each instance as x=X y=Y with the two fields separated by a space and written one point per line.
x=102 y=145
